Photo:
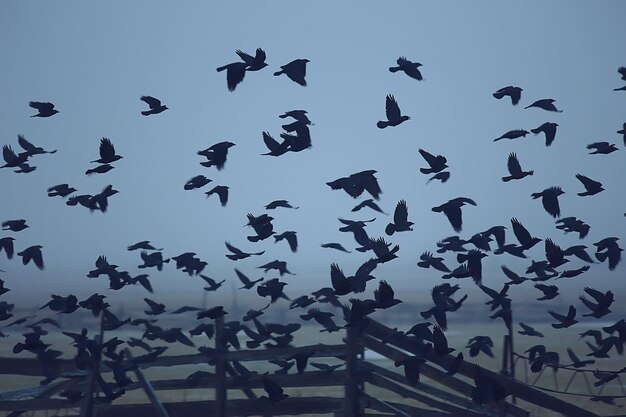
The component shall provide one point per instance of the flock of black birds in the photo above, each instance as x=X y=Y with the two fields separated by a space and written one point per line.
x=343 y=291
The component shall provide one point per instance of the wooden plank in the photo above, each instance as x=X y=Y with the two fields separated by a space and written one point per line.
x=32 y=366
x=413 y=411
x=351 y=392
x=220 y=368
x=145 y=384
x=515 y=387
x=395 y=411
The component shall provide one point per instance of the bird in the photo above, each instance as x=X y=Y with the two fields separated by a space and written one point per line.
x=291 y=238
x=107 y=152
x=545 y=104
x=549 y=199
x=155 y=105
x=254 y=63
x=608 y=249
x=549 y=129
x=523 y=236
x=623 y=133
x=6 y=244
x=333 y=245
x=512 y=134
x=600 y=148
x=295 y=70
x=13 y=160
x=358 y=182
x=32 y=253
x=549 y=291
x=384 y=296
x=198 y=181
x=554 y=254
x=100 y=169
x=155 y=308
x=275 y=148
x=564 y=321
x=442 y=176
x=45 y=109
x=529 y=331
x=274 y=391
x=280 y=266
x=238 y=254
x=474 y=263
x=408 y=67
x=247 y=283
x=222 y=193
x=400 y=222
x=235 y=73
x=436 y=163
x=515 y=93
x=15 y=225
x=514 y=278
x=31 y=149
x=572 y=224
x=622 y=72
x=427 y=260
x=216 y=154
x=515 y=169
x=368 y=202
x=452 y=210
x=279 y=203
x=592 y=187
x=392 y=111
x=600 y=307
x=144 y=244
x=272 y=288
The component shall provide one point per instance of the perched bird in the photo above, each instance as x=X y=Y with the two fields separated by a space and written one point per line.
x=235 y=73
x=452 y=210
x=549 y=199
x=515 y=93
x=14 y=225
x=279 y=203
x=222 y=193
x=512 y=134
x=549 y=129
x=155 y=105
x=592 y=187
x=601 y=148
x=515 y=169
x=247 y=283
x=45 y=109
x=107 y=152
x=400 y=222
x=295 y=70
x=546 y=104
x=32 y=253
x=436 y=163
x=564 y=321
x=198 y=181
x=238 y=254
x=216 y=154
x=392 y=111
x=408 y=67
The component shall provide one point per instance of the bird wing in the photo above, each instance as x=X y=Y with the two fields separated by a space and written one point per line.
x=26 y=145
x=401 y=214
x=430 y=158
x=587 y=182
x=42 y=107
x=151 y=101
x=233 y=249
x=513 y=165
x=597 y=295
x=8 y=154
x=553 y=251
x=107 y=150
x=391 y=108
x=337 y=277
x=248 y=59
x=242 y=277
x=271 y=143
x=260 y=56
x=551 y=204
x=453 y=213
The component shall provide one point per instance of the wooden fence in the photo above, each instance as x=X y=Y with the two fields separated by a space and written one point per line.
x=436 y=395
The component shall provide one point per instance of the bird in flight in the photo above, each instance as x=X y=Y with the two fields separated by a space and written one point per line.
x=549 y=129
x=32 y=253
x=279 y=203
x=400 y=222
x=31 y=149
x=107 y=152
x=452 y=210
x=155 y=105
x=408 y=67
x=600 y=148
x=436 y=163
x=546 y=104
x=392 y=111
x=592 y=187
x=549 y=199
x=515 y=169
x=515 y=93
x=45 y=109
x=295 y=70
x=216 y=155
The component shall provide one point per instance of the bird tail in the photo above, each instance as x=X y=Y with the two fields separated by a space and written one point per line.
x=498 y=95
x=390 y=229
x=507 y=179
x=426 y=170
x=219 y=69
x=394 y=69
x=536 y=195
x=530 y=172
x=382 y=125
x=279 y=72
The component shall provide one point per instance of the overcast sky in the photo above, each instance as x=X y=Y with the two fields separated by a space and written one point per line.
x=94 y=61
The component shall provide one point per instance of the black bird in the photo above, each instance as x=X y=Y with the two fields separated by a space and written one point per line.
x=592 y=187
x=368 y=203
x=436 y=163
x=154 y=259
x=474 y=263
x=279 y=203
x=515 y=169
x=408 y=67
x=295 y=70
x=198 y=181
x=384 y=252
x=300 y=116
x=238 y=254
x=280 y=266
x=144 y=244
x=155 y=308
x=400 y=222
x=291 y=238
x=216 y=154
x=512 y=134
x=572 y=224
x=14 y=225
x=333 y=245
x=452 y=210
x=356 y=183
x=12 y=159
x=272 y=288
x=235 y=73
x=247 y=283
x=256 y=62
x=571 y=273
x=411 y=368
x=427 y=260
x=212 y=313
x=274 y=391
x=609 y=249
x=222 y=193
x=107 y=152
x=549 y=291
x=515 y=93
x=32 y=253
x=384 y=296
x=45 y=109
x=554 y=254
x=564 y=321
x=529 y=331
x=392 y=111
x=442 y=176
x=62 y=190
x=100 y=169
x=155 y=105
x=275 y=148
x=600 y=148
x=549 y=199
x=600 y=307
x=546 y=104
x=31 y=149
x=549 y=129
x=523 y=236
x=514 y=278
x=577 y=363
x=479 y=344
x=487 y=389
x=623 y=133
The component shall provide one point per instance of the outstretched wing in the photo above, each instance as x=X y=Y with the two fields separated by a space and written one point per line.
x=26 y=145
x=391 y=108
x=151 y=101
x=401 y=215
x=107 y=150
x=513 y=165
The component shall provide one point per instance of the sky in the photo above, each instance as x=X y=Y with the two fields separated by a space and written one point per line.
x=94 y=61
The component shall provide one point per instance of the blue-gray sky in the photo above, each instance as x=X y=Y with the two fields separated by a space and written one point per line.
x=94 y=61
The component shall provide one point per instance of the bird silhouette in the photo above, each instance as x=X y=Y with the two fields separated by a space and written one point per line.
x=11 y=159
x=564 y=321
x=155 y=105
x=295 y=70
x=107 y=152
x=45 y=109
x=600 y=148
x=279 y=203
x=291 y=238
x=427 y=260
x=274 y=391
x=515 y=169
x=452 y=210
x=154 y=308
x=368 y=203
x=623 y=133
x=247 y=283
x=400 y=222
x=275 y=148
x=554 y=254
x=32 y=253
x=436 y=163
x=600 y=307
x=515 y=93
x=408 y=67
x=356 y=183
x=235 y=73
x=392 y=111
x=222 y=193
x=545 y=104
x=14 y=225
x=100 y=169
x=31 y=149
x=216 y=154
x=592 y=187
x=144 y=244
x=549 y=129
x=529 y=330
x=256 y=62
x=549 y=291
x=238 y=254
x=608 y=249
x=550 y=201
x=198 y=181
x=280 y=266
x=272 y=288
x=572 y=224
x=301 y=120
x=384 y=296
x=6 y=245
x=337 y=246
x=512 y=134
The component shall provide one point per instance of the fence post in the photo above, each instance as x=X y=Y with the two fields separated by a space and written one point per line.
x=87 y=406
x=351 y=399
x=220 y=368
